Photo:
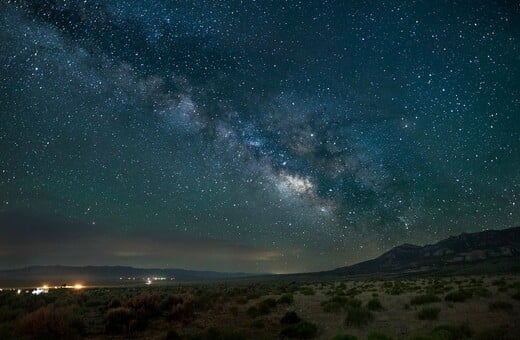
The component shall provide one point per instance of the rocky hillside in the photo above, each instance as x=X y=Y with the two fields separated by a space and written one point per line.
x=464 y=249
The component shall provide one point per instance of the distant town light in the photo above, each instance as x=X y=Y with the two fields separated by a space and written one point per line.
x=40 y=290
x=78 y=286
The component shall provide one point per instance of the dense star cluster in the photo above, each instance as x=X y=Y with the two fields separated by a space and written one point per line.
x=252 y=136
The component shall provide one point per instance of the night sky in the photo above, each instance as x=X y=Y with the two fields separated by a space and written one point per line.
x=258 y=136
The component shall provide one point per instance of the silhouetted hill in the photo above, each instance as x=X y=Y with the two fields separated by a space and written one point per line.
x=480 y=251
x=104 y=275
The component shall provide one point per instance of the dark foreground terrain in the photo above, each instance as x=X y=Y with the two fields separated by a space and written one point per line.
x=458 y=307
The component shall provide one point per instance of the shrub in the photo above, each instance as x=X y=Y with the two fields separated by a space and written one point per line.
x=233 y=310
x=499 y=282
x=258 y=324
x=302 y=330
x=342 y=300
x=286 y=299
x=336 y=303
x=269 y=303
x=51 y=322
x=423 y=299
x=354 y=303
x=261 y=308
x=173 y=335
x=290 y=318
x=481 y=291
x=253 y=312
x=358 y=316
x=241 y=300
x=428 y=313
x=452 y=332
x=378 y=336
x=354 y=291
x=137 y=324
x=145 y=305
x=500 y=305
x=118 y=320
x=374 y=304
x=6 y=331
x=184 y=309
x=307 y=291
x=496 y=333
x=252 y=296
x=345 y=337
x=205 y=299
x=331 y=306
x=169 y=301
x=394 y=288
x=114 y=303
x=458 y=296
x=216 y=334
x=8 y=313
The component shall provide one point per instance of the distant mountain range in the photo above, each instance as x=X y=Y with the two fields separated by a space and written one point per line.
x=491 y=251
x=475 y=253
x=104 y=275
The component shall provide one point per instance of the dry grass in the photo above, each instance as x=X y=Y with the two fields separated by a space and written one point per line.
x=366 y=309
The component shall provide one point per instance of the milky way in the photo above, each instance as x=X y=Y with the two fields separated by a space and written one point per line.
x=253 y=136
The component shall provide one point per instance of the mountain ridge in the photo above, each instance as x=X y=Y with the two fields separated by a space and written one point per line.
x=459 y=250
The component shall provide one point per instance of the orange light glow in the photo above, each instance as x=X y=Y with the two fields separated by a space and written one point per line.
x=78 y=286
